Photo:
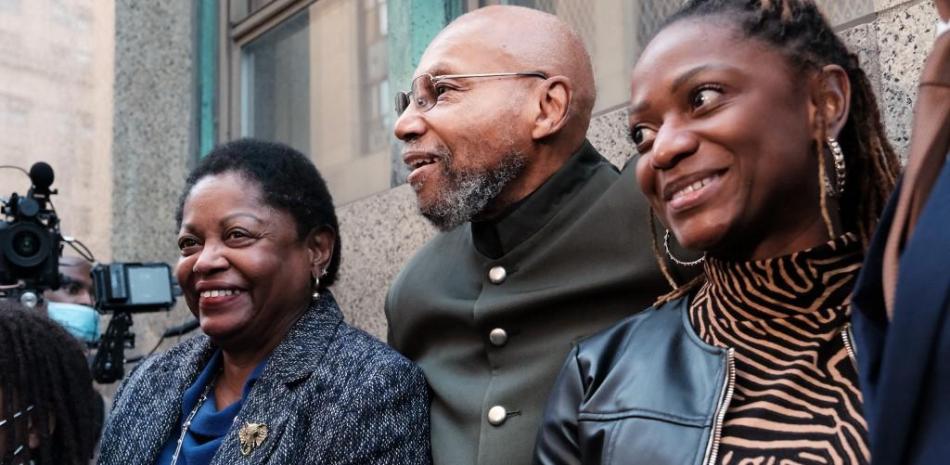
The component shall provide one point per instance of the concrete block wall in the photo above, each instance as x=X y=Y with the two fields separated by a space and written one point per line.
x=153 y=146
x=153 y=141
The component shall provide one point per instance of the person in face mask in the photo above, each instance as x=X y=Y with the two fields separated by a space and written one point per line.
x=76 y=286
x=72 y=304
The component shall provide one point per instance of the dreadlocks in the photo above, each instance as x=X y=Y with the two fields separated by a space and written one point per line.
x=42 y=365
x=798 y=30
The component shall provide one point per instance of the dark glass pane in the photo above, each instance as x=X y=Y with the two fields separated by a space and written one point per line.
x=275 y=85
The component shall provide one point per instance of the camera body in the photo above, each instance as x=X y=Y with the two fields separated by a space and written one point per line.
x=123 y=289
x=30 y=241
x=31 y=244
x=29 y=252
x=30 y=247
x=133 y=287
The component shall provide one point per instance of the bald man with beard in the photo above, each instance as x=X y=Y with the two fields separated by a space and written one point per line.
x=542 y=240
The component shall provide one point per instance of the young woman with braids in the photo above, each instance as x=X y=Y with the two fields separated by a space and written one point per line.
x=49 y=412
x=761 y=145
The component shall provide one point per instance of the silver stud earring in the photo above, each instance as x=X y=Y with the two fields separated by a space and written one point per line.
x=666 y=245
x=841 y=173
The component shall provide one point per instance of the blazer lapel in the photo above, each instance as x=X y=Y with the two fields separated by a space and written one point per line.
x=306 y=343
x=274 y=400
x=159 y=399
x=261 y=422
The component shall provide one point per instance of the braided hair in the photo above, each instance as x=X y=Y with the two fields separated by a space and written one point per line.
x=43 y=366
x=798 y=30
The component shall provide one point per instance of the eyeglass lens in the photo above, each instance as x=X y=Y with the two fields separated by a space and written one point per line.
x=422 y=93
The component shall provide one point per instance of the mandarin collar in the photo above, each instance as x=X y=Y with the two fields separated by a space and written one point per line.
x=498 y=236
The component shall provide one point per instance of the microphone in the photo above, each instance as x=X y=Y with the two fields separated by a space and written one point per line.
x=41 y=174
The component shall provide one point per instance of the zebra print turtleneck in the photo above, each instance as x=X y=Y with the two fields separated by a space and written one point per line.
x=796 y=397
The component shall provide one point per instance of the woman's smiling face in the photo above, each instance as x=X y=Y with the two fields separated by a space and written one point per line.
x=724 y=128
x=244 y=271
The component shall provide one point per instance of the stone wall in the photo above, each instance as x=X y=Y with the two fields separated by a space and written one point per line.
x=154 y=138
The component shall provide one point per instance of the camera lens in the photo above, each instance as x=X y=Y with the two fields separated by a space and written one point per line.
x=26 y=243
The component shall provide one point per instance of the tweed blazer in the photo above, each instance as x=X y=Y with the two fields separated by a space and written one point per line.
x=330 y=394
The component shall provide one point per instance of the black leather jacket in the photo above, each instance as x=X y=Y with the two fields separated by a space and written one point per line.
x=645 y=391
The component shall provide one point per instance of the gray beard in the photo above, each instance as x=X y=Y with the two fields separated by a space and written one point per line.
x=467 y=193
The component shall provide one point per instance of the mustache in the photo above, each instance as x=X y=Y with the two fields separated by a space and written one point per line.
x=438 y=151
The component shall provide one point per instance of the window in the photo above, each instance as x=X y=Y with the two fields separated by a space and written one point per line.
x=375 y=98
x=313 y=75
x=275 y=85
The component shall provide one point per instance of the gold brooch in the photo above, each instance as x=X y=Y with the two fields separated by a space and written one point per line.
x=252 y=435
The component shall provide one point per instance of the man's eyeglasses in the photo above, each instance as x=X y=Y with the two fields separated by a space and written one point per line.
x=424 y=94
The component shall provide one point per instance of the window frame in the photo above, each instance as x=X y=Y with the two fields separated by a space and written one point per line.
x=233 y=36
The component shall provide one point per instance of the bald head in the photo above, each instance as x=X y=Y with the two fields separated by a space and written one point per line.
x=490 y=129
x=524 y=39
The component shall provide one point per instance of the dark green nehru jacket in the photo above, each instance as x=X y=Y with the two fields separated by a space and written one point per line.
x=489 y=310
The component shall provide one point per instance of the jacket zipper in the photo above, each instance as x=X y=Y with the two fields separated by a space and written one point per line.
x=847 y=337
x=729 y=385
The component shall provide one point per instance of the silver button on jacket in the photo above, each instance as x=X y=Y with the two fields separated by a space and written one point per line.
x=497 y=415
x=498 y=337
x=497 y=274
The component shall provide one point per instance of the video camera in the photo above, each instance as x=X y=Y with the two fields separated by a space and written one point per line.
x=30 y=247
x=30 y=242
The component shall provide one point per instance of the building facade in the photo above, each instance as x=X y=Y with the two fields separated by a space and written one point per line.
x=320 y=76
x=56 y=71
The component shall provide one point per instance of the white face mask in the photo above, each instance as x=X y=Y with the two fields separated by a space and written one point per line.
x=81 y=321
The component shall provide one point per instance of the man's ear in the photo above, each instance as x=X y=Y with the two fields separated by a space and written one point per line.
x=831 y=100
x=320 y=244
x=554 y=103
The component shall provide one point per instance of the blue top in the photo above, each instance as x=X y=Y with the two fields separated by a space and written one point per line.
x=209 y=426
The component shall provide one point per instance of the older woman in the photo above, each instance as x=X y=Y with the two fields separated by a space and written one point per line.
x=278 y=377
x=760 y=144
